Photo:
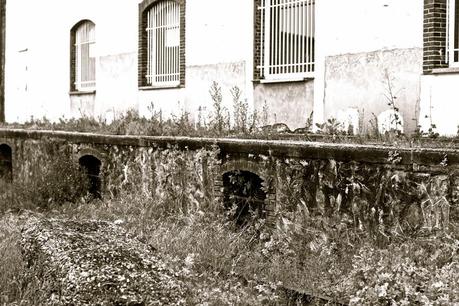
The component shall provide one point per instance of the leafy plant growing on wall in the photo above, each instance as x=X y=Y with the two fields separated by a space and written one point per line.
x=240 y=111
x=330 y=127
x=390 y=96
x=219 y=119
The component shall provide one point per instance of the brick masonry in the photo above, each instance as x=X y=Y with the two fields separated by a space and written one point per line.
x=72 y=58
x=142 y=46
x=435 y=28
x=244 y=164
x=257 y=40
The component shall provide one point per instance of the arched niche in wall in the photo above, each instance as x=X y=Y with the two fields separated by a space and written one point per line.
x=92 y=165
x=6 y=163
x=243 y=195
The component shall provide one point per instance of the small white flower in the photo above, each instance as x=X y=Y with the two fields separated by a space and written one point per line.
x=382 y=290
x=118 y=222
x=354 y=301
x=189 y=260
x=438 y=284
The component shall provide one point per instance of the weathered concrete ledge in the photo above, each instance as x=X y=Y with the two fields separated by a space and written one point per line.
x=96 y=263
x=279 y=148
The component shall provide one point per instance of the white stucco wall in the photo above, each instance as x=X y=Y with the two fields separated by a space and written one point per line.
x=37 y=51
x=218 y=48
x=360 y=28
x=440 y=103
x=356 y=26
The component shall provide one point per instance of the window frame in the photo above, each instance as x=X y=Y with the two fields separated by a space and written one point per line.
x=452 y=36
x=267 y=47
x=76 y=64
x=143 y=53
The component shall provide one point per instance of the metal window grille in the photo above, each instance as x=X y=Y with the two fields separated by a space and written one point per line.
x=85 y=61
x=287 y=39
x=163 y=44
x=452 y=33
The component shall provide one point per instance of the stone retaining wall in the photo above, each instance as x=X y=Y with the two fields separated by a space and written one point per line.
x=373 y=187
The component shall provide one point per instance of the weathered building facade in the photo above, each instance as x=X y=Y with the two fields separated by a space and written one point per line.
x=346 y=60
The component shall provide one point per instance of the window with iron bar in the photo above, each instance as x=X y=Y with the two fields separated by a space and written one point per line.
x=163 y=44
x=84 y=56
x=287 y=39
x=452 y=35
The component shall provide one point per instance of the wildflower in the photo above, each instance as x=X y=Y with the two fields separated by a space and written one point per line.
x=189 y=260
x=382 y=290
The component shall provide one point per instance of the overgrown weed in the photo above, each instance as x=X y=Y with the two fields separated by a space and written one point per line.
x=308 y=254
x=226 y=264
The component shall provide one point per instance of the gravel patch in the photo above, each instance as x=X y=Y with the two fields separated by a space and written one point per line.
x=97 y=263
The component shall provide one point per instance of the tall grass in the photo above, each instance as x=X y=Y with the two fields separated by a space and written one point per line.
x=213 y=253
x=226 y=264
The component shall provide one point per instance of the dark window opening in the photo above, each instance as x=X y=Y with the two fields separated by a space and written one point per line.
x=6 y=163
x=244 y=196
x=91 y=165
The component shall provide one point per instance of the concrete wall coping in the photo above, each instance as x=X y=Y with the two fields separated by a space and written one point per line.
x=370 y=153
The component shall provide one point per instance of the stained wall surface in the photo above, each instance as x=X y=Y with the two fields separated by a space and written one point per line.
x=289 y=103
x=218 y=47
x=352 y=52
x=365 y=39
x=368 y=82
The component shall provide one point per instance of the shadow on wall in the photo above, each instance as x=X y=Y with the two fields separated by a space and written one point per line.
x=6 y=163
x=91 y=165
x=243 y=196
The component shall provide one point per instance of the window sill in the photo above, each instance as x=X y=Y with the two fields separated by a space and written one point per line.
x=445 y=70
x=160 y=87
x=289 y=80
x=82 y=93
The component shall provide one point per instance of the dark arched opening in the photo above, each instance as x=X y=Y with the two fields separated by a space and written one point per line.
x=6 y=163
x=243 y=195
x=91 y=165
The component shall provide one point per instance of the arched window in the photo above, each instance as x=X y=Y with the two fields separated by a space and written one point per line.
x=83 y=58
x=161 y=40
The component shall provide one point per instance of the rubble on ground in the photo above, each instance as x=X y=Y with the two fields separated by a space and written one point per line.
x=97 y=263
